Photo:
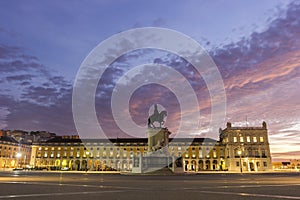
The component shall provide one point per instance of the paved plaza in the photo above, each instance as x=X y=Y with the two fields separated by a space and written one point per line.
x=66 y=185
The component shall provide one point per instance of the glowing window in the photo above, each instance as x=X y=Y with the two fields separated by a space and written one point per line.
x=254 y=139
x=241 y=139
x=261 y=139
x=248 y=138
x=234 y=139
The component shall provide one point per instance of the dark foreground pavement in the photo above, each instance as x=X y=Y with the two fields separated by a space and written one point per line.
x=72 y=186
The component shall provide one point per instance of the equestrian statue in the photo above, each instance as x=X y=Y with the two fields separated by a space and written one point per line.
x=157 y=117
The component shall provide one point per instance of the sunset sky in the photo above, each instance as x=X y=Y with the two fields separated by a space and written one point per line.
x=255 y=45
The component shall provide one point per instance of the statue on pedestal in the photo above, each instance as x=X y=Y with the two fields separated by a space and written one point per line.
x=157 y=117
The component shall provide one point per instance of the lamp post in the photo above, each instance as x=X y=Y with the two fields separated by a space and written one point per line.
x=87 y=160
x=18 y=156
x=240 y=154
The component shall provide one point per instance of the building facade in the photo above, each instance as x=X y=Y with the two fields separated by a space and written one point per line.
x=246 y=148
x=13 y=154
x=242 y=149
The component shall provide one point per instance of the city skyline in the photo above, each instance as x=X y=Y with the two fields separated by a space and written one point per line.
x=255 y=47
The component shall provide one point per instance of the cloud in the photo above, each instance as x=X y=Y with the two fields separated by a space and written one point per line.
x=262 y=75
x=31 y=97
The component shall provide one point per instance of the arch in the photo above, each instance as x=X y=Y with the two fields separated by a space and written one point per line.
x=77 y=165
x=84 y=165
x=71 y=162
x=124 y=165
x=193 y=165
x=130 y=164
x=64 y=163
x=90 y=164
x=186 y=165
x=118 y=165
x=215 y=165
x=200 y=165
x=207 y=165
x=57 y=163
x=97 y=165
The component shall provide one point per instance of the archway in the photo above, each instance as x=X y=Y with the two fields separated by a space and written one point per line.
x=57 y=164
x=207 y=165
x=215 y=165
x=186 y=165
x=77 y=165
x=200 y=166
x=71 y=165
x=193 y=165
x=84 y=165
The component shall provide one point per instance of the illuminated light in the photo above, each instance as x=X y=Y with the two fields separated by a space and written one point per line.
x=18 y=155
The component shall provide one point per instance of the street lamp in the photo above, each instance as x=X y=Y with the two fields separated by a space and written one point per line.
x=240 y=154
x=87 y=160
x=18 y=156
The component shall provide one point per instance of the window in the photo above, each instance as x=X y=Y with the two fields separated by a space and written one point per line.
x=200 y=153
x=263 y=153
x=265 y=164
x=234 y=139
x=241 y=139
x=248 y=138
x=214 y=153
x=237 y=164
x=261 y=139
x=254 y=139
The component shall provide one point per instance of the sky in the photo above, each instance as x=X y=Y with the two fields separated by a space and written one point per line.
x=254 y=44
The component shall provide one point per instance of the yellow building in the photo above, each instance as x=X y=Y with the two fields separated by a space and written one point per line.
x=13 y=154
x=246 y=148
x=242 y=149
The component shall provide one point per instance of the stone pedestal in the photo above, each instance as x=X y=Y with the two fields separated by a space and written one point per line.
x=158 y=138
x=157 y=158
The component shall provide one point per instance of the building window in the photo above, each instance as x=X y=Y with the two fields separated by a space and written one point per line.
x=214 y=153
x=248 y=138
x=234 y=139
x=241 y=139
x=237 y=164
x=265 y=164
x=200 y=153
x=261 y=139
x=254 y=139
x=263 y=153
